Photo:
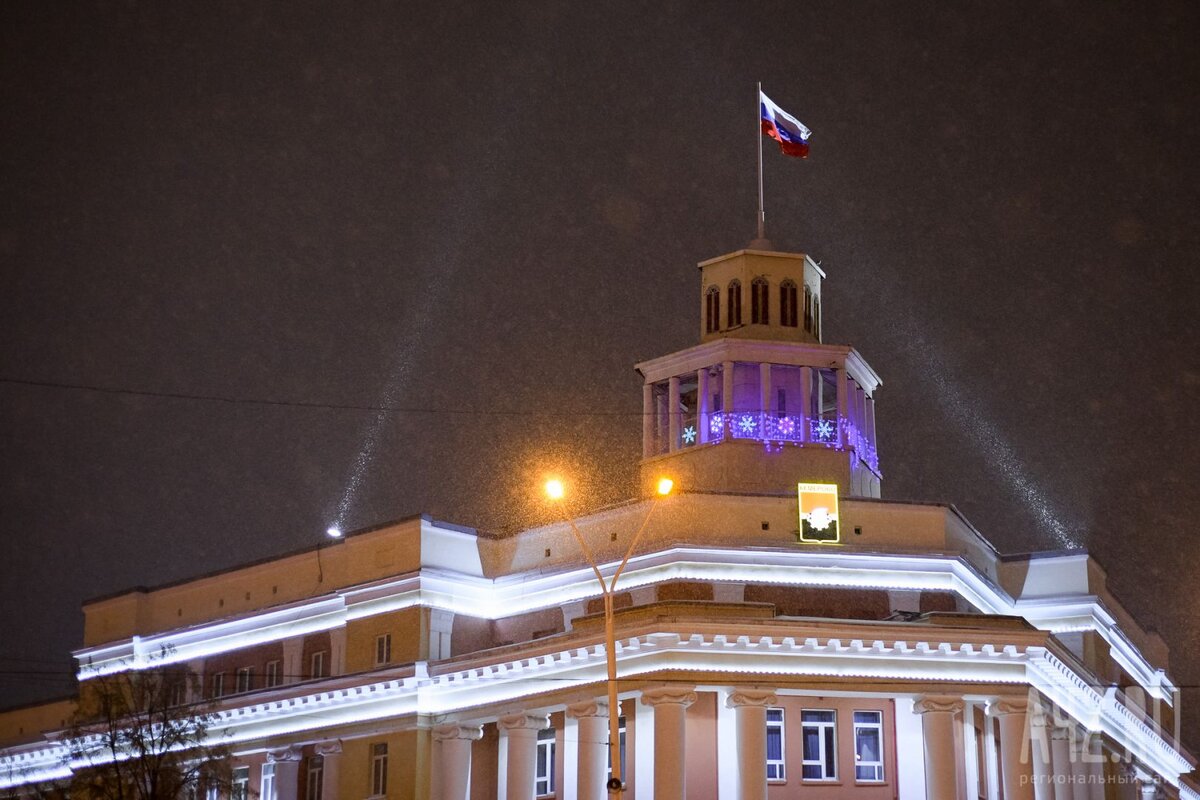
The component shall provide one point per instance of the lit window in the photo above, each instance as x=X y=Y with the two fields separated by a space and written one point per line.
x=317 y=665
x=621 y=745
x=218 y=685
x=787 y=304
x=734 y=311
x=775 y=771
x=379 y=763
x=245 y=679
x=868 y=745
x=314 y=778
x=820 y=744
x=240 y=789
x=759 y=295
x=273 y=677
x=267 y=788
x=543 y=780
x=383 y=649
x=712 y=309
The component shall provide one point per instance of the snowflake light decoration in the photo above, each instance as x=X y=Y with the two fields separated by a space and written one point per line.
x=823 y=430
x=689 y=434
x=787 y=426
x=747 y=423
x=716 y=424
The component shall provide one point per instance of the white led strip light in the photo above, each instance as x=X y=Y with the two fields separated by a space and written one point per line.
x=491 y=684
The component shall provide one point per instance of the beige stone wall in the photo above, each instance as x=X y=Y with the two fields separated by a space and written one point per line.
x=28 y=723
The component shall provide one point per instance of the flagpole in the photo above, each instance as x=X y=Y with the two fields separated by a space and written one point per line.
x=762 y=214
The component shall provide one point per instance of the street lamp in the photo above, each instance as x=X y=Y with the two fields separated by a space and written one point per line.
x=556 y=491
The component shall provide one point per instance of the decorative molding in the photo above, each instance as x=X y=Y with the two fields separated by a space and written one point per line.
x=285 y=754
x=1008 y=705
x=524 y=722
x=938 y=704
x=471 y=733
x=762 y=698
x=330 y=749
x=588 y=708
x=669 y=695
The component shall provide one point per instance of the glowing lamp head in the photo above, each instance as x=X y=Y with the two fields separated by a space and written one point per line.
x=665 y=485
x=333 y=532
x=555 y=489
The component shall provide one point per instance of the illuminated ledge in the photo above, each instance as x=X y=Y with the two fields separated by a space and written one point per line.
x=478 y=687
x=518 y=594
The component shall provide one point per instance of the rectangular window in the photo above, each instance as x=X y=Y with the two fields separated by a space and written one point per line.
x=383 y=649
x=621 y=746
x=314 y=777
x=379 y=758
x=781 y=406
x=819 y=728
x=218 y=685
x=543 y=779
x=240 y=789
x=178 y=691
x=868 y=745
x=273 y=674
x=245 y=679
x=267 y=789
x=317 y=665
x=775 y=771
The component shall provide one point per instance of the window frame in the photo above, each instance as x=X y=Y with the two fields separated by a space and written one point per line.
x=216 y=685
x=823 y=759
x=877 y=726
x=733 y=312
x=266 y=789
x=543 y=782
x=314 y=778
x=379 y=767
x=788 y=304
x=780 y=763
x=318 y=658
x=712 y=309
x=272 y=676
x=383 y=649
x=240 y=784
x=243 y=680
x=760 y=301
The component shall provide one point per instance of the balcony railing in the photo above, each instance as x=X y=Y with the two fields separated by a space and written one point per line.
x=775 y=428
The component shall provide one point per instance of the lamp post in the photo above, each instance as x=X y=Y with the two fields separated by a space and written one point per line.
x=556 y=491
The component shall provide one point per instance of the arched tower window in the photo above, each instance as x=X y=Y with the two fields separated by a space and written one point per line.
x=787 y=304
x=759 y=294
x=712 y=309
x=808 y=309
x=735 y=304
x=817 y=317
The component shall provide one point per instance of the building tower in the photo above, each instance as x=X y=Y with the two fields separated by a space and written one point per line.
x=761 y=403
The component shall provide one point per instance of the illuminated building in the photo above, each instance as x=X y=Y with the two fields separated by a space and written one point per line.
x=776 y=637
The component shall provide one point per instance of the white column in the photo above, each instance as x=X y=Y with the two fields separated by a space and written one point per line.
x=673 y=412
x=670 y=705
x=441 y=629
x=869 y=420
x=764 y=387
x=337 y=651
x=520 y=732
x=1080 y=786
x=455 y=767
x=750 y=708
x=728 y=771
x=1016 y=768
x=843 y=404
x=910 y=755
x=1148 y=788
x=643 y=755
x=331 y=761
x=937 y=729
x=726 y=393
x=287 y=774
x=805 y=401
x=293 y=651
x=1094 y=758
x=592 y=736
x=703 y=405
x=647 y=420
x=1060 y=758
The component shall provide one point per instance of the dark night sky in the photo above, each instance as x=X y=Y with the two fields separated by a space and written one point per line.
x=492 y=211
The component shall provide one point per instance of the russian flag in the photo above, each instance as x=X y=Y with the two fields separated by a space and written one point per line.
x=783 y=128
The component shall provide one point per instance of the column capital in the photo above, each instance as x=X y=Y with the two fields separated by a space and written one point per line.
x=529 y=722
x=588 y=708
x=1059 y=732
x=1000 y=706
x=938 y=704
x=332 y=748
x=469 y=732
x=761 y=698
x=284 y=754
x=677 y=695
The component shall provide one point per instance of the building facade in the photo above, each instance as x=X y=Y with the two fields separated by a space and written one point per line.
x=781 y=631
